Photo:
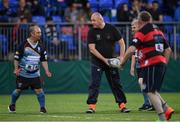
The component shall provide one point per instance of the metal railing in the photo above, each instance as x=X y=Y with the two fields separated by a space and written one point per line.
x=71 y=41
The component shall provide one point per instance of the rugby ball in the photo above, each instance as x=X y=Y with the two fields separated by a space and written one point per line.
x=114 y=62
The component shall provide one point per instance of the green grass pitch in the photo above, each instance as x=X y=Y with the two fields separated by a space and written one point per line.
x=72 y=107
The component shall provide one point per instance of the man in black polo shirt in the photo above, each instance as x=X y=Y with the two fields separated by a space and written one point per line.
x=101 y=41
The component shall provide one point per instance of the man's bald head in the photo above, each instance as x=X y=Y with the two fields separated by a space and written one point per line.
x=97 y=20
x=97 y=15
x=35 y=32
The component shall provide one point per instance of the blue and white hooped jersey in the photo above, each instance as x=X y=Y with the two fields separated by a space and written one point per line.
x=29 y=57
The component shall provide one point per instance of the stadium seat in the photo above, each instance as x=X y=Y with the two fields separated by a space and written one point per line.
x=56 y=19
x=168 y=28
x=106 y=18
x=3 y=44
x=167 y=18
x=177 y=41
x=43 y=2
x=15 y=2
x=61 y=4
x=40 y=20
x=94 y=3
x=69 y=39
x=113 y=19
x=177 y=14
x=106 y=4
x=159 y=1
x=119 y=2
x=94 y=9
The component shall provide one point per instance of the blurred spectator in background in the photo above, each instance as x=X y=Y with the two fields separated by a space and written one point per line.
x=83 y=29
x=20 y=31
x=169 y=7
x=156 y=12
x=123 y=13
x=177 y=11
x=37 y=9
x=6 y=11
x=24 y=11
x=71 y=13
x=136 y=8
x=52 y=43
x=87 y=11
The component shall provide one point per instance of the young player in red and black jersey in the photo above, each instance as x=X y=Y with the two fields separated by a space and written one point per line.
x=153 y=55
x=135 y=67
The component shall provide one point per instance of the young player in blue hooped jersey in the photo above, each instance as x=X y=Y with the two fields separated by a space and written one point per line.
x=27 y=68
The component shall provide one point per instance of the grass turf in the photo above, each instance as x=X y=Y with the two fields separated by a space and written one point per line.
x=72 y=107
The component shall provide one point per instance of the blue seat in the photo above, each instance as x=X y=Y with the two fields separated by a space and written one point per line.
x=106 y=18
x=94 y=3
x=113 y=19
x=13 y=4
x=40 y=20
x=159 y=1
x=106 y=4
x=69 y=39
x=177 y=41
x=167 y=18
x=119 y=2
x=43 y=2
x=60 y=3
x=56 y=19
x=177 y=14
x=168 y=28
x=3 y=44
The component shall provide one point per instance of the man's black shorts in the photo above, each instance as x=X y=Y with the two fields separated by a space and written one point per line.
x=153 y=77
x=24 y=83
x=139 y=72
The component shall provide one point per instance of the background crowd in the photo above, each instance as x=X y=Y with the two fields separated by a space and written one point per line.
x=72 y=14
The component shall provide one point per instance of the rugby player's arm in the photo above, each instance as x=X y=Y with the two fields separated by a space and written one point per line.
x=45 y=66
x=92 y=49
x=128 y=54
x=122 y=49
x=16 y=64
x=16 y=67
x=167 y=52
x=133 y=62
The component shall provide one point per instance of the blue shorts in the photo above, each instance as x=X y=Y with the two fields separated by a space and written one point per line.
x=153 y=77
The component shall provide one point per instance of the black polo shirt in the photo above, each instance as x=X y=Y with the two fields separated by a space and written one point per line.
x=104 y=39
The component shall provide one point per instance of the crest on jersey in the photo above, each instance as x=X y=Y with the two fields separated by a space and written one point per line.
x=39 y=49
x=98 y=37
x=17 y=53
x=135 y=40
x=108 y=36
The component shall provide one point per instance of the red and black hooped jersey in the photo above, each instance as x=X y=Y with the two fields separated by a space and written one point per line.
x=150 y=43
